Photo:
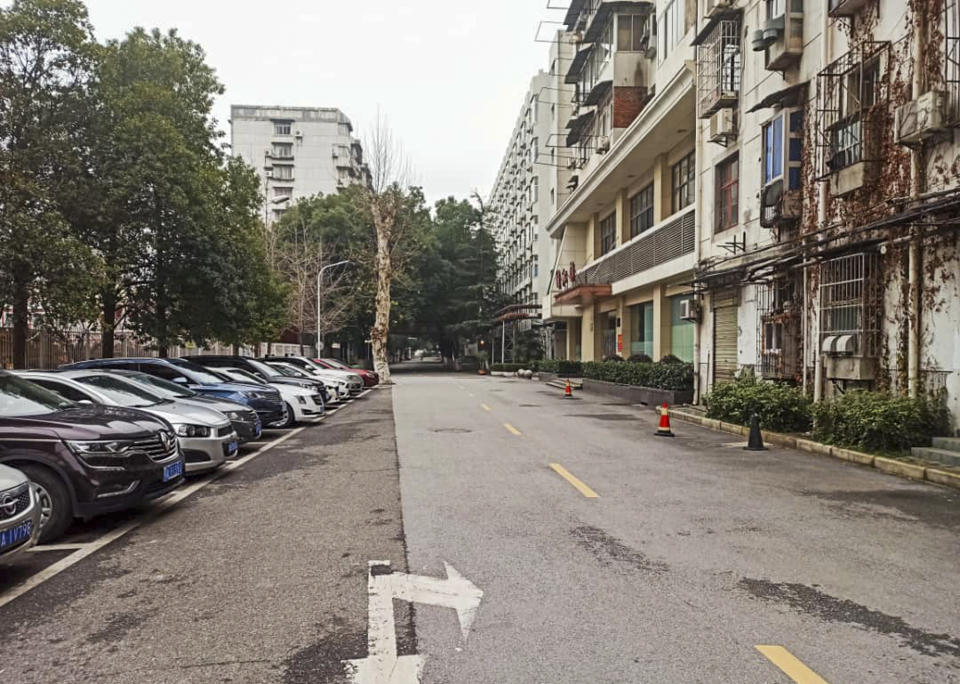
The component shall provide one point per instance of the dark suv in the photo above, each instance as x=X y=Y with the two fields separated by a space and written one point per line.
x=264 y=400
x=85 y=460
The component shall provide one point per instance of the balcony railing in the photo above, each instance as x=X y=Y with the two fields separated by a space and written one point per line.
x=666 y=241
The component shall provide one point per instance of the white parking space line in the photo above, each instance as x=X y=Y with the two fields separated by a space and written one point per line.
x=58 y=547
x=173 y=499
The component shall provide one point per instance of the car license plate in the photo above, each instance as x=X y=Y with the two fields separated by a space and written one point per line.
x=16 y=535
x=172 y=471
x=232 y=448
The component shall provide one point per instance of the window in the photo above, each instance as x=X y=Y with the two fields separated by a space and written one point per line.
x=776 y=8
x=553 y=196
x=282 y=127
x=608 y=233
x=630 y=30
x=283 y=192
x=641 y=211
x=283 y=150
x=726 y=202
x=773 y=150
x=681 y=330
x=283 y=172
x=641 y=329
x=775 y=140
x=534 y=190
x=684 y=180
x=278 y=214
x=670 y=27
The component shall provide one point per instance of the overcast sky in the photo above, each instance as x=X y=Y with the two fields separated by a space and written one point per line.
x=449 y=75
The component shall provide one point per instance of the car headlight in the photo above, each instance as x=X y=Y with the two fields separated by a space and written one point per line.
x=234 y=416
x=301 y=399
x=114 y=448
x=185 y=430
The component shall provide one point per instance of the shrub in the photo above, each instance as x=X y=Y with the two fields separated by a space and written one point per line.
x=781 y=408
x=640 y=358
x=570 y=369
x=676 y=377
x=670 y=358
x=615 y=357
x=879 y=421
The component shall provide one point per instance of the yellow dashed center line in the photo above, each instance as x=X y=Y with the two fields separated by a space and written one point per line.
x=581 y=487
x=512 y=429
x=790 y=665
x=485 y=407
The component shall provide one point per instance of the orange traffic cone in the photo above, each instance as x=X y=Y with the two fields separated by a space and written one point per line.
x=568 y=391
x=663 y=430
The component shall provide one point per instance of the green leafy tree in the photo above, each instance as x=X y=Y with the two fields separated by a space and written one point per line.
x=47 y=59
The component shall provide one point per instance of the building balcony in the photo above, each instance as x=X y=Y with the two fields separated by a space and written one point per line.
x=846 y=8
x=636 y=262
x=604 y=12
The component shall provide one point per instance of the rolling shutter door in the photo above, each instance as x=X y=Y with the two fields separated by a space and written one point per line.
x=724 y=344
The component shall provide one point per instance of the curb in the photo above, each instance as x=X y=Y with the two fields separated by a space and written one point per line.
x=910 y=471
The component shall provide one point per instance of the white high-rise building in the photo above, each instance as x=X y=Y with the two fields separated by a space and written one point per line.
x=298 y=151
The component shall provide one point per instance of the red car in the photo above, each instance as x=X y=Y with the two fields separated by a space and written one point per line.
x=369 y=377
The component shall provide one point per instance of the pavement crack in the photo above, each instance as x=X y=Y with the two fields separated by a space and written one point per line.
x=831 y=609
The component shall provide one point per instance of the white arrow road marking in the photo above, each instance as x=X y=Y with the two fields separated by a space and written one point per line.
x=382 y=664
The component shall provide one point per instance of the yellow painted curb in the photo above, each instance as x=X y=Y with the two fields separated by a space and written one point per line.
x=943 y=477
x=901 y=468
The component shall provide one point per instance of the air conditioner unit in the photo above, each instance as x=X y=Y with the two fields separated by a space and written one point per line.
x=715 y=7
x=785 y=36
x=778 y=206
x=576 y=37
x=722 y=126
x=603 y=144
x=268 y=173
x=299 y=134
x=919 y=119
x=690 y=310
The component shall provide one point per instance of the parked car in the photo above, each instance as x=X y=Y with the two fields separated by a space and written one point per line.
x=303 y=403
x=262 y=371
x=243 y=419
x=338 y=387
x=369 y=378
x=264 y=400
x=19 y=513
x=354 y=381
x=84 y=459
x=206 y=437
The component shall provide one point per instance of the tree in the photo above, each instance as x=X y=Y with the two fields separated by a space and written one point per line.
x=47 y=58
x=385 y=199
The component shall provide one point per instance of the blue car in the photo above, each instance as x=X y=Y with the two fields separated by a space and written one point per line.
x=265 y=401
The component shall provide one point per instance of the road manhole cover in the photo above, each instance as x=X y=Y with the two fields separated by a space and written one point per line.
x=452 y=431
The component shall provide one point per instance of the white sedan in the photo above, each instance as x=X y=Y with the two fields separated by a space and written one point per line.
x=335 y=384
x=300 y=403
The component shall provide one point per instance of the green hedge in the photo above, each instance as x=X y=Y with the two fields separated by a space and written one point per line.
x=781 y=408
x=666 y=376
x=568 y=369
x=879 y=421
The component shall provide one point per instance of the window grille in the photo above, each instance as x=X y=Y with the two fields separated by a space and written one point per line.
x=850 y=301
x=853 y=95
x=778 y=333
x=718 y=68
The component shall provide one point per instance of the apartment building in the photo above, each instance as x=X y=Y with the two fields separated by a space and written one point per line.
x=623 y=278
x=531 y=182
x=298 y=151
x=827 y=175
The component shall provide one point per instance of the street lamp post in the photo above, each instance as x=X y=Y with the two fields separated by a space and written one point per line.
x=319 y=300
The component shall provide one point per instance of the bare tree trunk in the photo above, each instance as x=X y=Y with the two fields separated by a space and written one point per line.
x=381 y=326
x=21 y=321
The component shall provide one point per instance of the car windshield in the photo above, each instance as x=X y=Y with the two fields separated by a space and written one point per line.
x=19 y=397
x=159 y=386
x=196 y=373
x=121 y=392
x=336 y=364
x=261 y=367
x=288 y=370
x=243 y=376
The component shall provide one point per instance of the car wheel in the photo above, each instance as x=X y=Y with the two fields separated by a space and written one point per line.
x=56 y=508
x=291 y=417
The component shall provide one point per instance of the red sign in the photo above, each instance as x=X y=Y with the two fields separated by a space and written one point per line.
x=566 y=277
x=619 y=343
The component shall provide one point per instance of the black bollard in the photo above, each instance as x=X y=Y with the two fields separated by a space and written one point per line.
x=755 y=442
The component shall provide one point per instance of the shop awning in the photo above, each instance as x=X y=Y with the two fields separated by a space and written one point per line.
x=583 y=294
x=578 y=126
x=597 y=93
x=576 y=66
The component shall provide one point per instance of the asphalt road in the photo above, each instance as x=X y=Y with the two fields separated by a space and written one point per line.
x=692 y=553
x=603 y=553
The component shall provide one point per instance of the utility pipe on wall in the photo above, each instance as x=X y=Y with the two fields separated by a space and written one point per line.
x=821 y=221
x=914 y=274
